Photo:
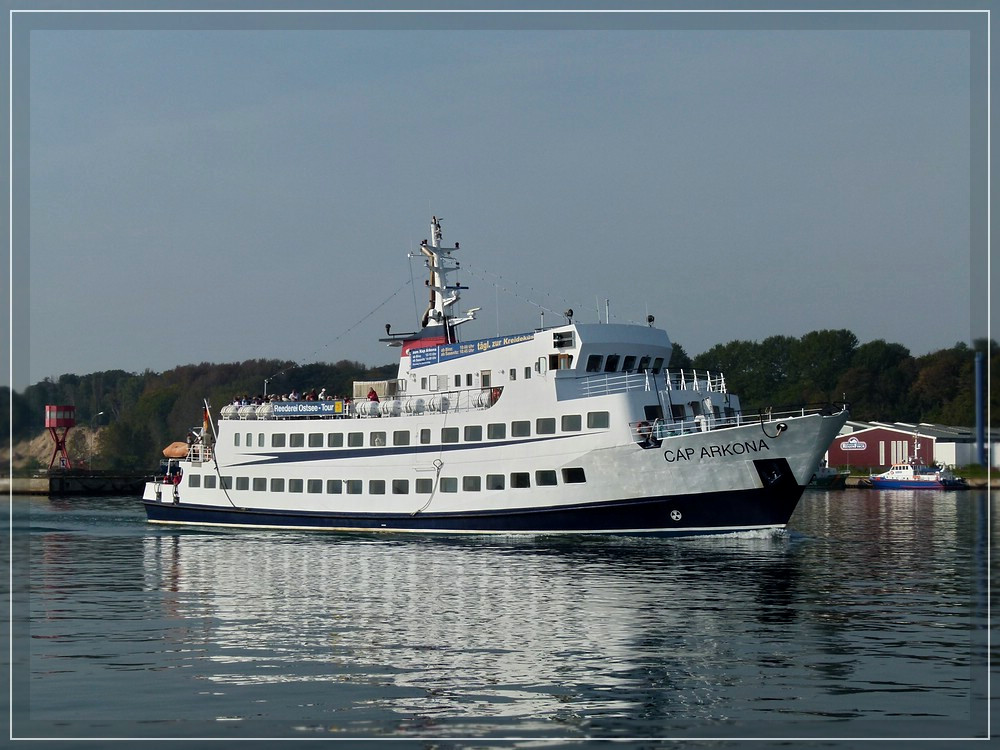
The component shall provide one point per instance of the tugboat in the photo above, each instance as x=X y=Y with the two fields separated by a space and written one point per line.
x=578 y=428
x=828 y=478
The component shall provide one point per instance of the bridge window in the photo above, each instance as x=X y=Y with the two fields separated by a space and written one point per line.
x=657 y=365
x=611 y=363
x=644 y=364
x=594 y=363
x=629 y=364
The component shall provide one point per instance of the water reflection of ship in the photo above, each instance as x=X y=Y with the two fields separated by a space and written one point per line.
x=526 y=626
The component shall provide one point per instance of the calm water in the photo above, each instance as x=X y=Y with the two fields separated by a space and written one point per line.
x=867 y=619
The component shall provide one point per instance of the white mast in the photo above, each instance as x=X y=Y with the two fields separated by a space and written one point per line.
x=442 y=294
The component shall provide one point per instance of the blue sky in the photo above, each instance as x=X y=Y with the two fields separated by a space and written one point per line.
x=219 y=195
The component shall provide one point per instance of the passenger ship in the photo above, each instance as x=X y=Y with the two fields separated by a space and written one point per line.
x=574 y=429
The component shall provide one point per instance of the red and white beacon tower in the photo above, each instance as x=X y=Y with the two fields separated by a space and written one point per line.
x=59 y=420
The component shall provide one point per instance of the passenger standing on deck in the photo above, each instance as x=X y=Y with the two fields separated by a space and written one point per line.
x=372 y=396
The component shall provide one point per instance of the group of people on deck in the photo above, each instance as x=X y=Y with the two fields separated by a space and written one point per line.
x=311 y=395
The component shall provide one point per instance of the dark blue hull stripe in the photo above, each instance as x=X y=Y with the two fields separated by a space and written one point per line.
x=667 y=516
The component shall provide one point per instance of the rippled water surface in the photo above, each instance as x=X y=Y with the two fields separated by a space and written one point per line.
x=866 y=619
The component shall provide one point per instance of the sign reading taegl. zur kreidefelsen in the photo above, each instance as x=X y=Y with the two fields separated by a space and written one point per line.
x=433 y=355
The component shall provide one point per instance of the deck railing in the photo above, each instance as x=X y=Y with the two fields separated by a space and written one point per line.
x=604 y=384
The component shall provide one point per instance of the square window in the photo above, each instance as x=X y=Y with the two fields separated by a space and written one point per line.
x=243 y=483
x=598 y=420
x=545 y=425
x=496 y=431
x=545 y=477
x=335 y=440
x=520 y=429
x=210 y=481
x=473 y=433
x=354 y=486
x=573 y=475
x=277 y=485
x=315 y=439
x=278 y=440
x=401 y=437
x=376 y=439
x=226 y=483
x=424 y=486
x=400 y=487
x=194 y=480
x=449 y=434
x=355 y=439
x=296 y=440
x=295 y=485
x=260 y=484
x=571 y=423
x=314 y=486
x=495 y=481
x=472 y=484
x=376 y=487
x=449 y=484
x=520 y=479
x=334 y=487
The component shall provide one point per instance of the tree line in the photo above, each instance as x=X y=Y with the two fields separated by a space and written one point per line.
x=140 y=413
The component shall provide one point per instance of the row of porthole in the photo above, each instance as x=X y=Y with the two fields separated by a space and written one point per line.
x=423 y=485
x=471 y=433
